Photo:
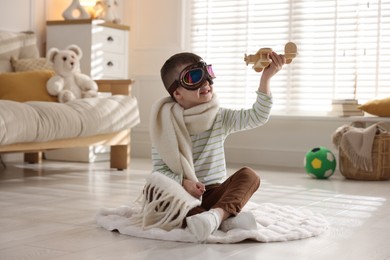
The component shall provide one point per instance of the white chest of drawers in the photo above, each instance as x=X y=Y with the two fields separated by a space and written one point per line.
x=104 y=45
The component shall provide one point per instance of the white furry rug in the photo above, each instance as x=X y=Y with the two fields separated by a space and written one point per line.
x=274 y=224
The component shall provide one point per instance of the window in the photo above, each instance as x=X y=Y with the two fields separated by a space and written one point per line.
x=343 y=49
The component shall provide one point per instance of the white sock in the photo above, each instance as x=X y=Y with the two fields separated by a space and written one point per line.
x=204 y=224
x=244 y=220
x=218 y=218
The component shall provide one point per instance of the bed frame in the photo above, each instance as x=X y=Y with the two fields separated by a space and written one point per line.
x=119 y=141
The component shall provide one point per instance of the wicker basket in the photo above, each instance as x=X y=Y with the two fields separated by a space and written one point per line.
x=380 y=162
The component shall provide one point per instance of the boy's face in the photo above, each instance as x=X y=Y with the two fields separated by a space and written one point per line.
x=188 y=98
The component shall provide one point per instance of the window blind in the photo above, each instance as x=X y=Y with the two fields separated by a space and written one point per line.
x=343 y=49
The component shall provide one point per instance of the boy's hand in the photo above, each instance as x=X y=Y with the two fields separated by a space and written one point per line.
x=196 y=189
x=276 y=65
x=278 y=60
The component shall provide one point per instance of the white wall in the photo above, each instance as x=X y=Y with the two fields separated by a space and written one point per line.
x=157 y=31
x=23 y=15
x=8 y=10
x=156 y=34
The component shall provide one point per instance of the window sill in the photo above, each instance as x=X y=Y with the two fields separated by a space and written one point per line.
x=365 y=118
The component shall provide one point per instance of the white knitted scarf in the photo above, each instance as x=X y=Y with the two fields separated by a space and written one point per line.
x=170 y=128
x=165 y=204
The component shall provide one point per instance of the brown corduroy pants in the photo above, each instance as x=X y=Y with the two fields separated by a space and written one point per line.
x=231 y=195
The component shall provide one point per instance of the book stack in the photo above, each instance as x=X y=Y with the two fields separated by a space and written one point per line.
x=346 y=107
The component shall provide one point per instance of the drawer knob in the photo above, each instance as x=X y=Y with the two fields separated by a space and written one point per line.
x=110 y=39
x=110 y=64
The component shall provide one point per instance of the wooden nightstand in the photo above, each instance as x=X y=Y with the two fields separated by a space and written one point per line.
x=116 y=87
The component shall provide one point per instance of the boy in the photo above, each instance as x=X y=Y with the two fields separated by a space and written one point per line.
x=188 y=131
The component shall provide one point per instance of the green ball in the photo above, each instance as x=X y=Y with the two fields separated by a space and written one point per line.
x=320 y=163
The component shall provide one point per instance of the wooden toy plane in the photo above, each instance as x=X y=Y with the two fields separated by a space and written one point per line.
x=262 y=60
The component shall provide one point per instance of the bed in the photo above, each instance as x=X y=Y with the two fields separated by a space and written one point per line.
x=31 y=121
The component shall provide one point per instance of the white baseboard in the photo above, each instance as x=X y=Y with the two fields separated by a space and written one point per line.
x=12 y=157
x=256 y=156
x=140 y=142
x=80 y=154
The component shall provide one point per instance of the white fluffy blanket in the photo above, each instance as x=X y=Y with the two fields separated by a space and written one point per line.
x=274 y=224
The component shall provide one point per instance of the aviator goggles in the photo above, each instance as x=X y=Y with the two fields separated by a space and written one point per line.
x=193 y=77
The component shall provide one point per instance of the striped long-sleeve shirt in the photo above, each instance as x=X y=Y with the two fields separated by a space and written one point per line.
x=208 y=147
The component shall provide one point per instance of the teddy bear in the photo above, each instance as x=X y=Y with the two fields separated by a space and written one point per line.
x=104 y=9
x=68 y=83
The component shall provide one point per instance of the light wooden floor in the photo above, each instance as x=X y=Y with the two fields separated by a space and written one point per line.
x=47 y=212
